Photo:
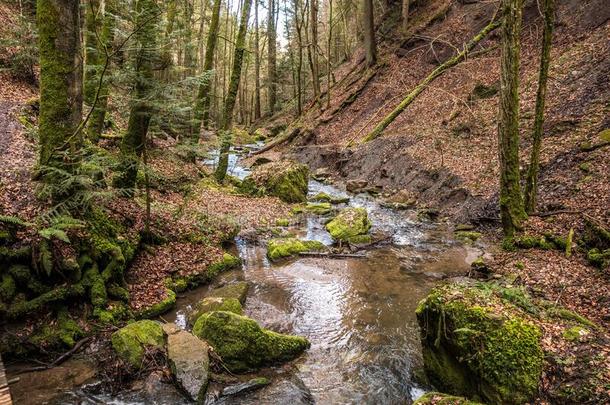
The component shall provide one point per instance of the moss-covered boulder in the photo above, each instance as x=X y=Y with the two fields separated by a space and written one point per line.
x=243 y=345
x=238 y=291
x=438 y=398
x=285 y=247
x=478 y=344
x=209 y=304
x=285 y=179
x=131 y=341
x=321 y=208
x=350 y=225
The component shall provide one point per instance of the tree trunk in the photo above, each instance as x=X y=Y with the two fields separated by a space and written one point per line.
x=370 y=45
x=61 y=81
x=98 y=45
x=512 y=210
x=257 y=67
x=429 y=79
x=329 y=45
x=144 y=58
x=202 y=103
x=227 y=115
x=405 y=16
x=531 y=181
x=299 y=29
x=271 y=58
x=190 y=57
x=313 y=54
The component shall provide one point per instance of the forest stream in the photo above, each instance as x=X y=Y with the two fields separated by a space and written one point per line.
x=358 y=312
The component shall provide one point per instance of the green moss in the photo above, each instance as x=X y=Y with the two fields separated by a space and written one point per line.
x=116 y=291
x=279 y=248
x=238 y=290
x=438 y=398
x=160 y=307
x=323 y=197
x=600 y=259
x=471 y=348
x=468 y=235
x=575 y=333
x=20 y=308
x=564 y=313
x=61 y=334
x=350 y=222
x=209 y=304
x=177 y=285
x=360 y=239
x=8 y=288
x=319 y=208
x=113 y=313
x=604 y=135
x=131 y=341
x=227 y=262
x=243 y=344
x=282 y=222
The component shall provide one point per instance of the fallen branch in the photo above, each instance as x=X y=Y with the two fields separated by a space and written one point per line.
x=58 y=360
x=331 y=255
x=288 y=136
x=435 y=73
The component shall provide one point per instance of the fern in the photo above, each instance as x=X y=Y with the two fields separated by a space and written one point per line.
x=13 y=221
x=50 y=233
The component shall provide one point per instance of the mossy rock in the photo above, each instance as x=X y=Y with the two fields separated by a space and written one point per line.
x=438 y=398
x=604 y=135
x=282 y=222
x=285 y=179
x=227 y=262
x=322 y=208
x=243 y=345
x=575 y=333
x=59 y=335
x=160 y=307
x=286 y=247
x=209 y=304
x=600 y=259
x=324 y=197
x=478 y=344
x=349 y=224
x=131 y=342
x=238 y=291
x=468 y=236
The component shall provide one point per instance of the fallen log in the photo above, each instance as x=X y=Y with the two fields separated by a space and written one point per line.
x=430 y=78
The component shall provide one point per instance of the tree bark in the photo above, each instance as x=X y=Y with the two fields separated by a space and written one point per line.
x=271 y=58
x=405 y=16
x=329 y=46
x=257 y=66
x=144 y=58
x=370 y=45
x=227 y=116
x=512 y=210
x=429 y=79
x=531 y=181
x=313 y=54
x=202 y=103
x=61 y=81
x=99 y=47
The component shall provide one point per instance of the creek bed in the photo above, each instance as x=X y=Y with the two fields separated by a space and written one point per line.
x=358 y=313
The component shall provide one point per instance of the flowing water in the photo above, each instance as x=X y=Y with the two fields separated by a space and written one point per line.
x=358 y=312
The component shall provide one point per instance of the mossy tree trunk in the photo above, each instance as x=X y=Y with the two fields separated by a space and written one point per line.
x=312 y=51
x=370 y=46
x=61 y=90
x=202 y=103
x=227 y=115
x=99 y=25
x=144 y=58
x=531 y=181
x=271 y=58
x=512 y=210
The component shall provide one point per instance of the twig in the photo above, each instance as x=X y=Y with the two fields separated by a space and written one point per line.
x=60 y=359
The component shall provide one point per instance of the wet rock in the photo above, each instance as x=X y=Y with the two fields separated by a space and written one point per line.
x=438 y=398
x=189 y=361
x=251 y=385
x=131 y=341
x=157 y=391
x=285 y=247
x=322 y=208
x=243 y=345
x=477 y=344
x=355 y=186
x=321 y=174
x=238 y=290
x=400 y=200
x=285 y=179
x=467 y=236
x=209 y=304
x=324 y=197
x=351 y=225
